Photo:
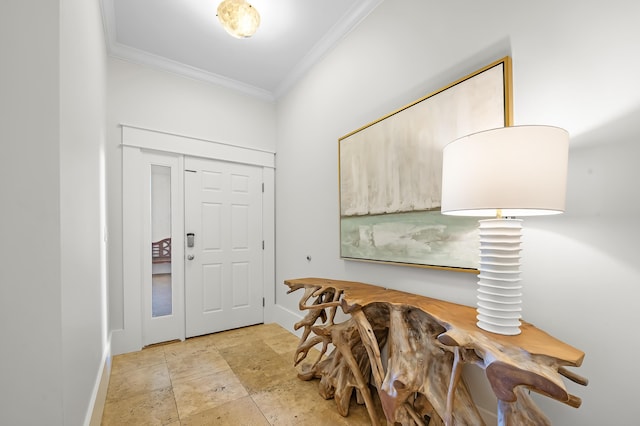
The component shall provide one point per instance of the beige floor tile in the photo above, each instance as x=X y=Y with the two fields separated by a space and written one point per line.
x=193 y=360
x=144 y=379
x=297 y=402
x=235 y=337
x=239 y=377
x=268 y=329
x=201 y=341
x=241 y=412
x=193 y=346
x=257 y=365
x=157 y=407
x=195 y=395
x=133 y=360
x=282 y=341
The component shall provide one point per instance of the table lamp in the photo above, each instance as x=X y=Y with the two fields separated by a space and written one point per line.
x=503 y=173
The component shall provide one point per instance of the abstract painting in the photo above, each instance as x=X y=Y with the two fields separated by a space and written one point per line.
x=390 y=175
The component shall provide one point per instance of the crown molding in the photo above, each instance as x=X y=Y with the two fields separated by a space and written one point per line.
x=138 y=56
x=339 y=31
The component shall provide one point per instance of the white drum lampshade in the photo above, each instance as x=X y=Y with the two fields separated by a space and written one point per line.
x=503 y=173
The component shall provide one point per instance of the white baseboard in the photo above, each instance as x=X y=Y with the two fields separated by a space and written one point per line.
x=123 y=342
x=285 y=318
x=99 y=394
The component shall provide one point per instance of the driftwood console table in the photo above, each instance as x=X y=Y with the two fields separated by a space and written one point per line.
x=427 y=342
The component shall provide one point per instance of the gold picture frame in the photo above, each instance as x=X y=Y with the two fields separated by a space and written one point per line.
x=390 y=174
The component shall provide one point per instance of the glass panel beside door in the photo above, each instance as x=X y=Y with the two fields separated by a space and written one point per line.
x=161 y=278
x=162 y=225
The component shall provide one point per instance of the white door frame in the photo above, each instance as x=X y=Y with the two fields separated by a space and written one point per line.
x=136 y=139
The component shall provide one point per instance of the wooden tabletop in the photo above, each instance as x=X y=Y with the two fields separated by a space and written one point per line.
x=451 y=315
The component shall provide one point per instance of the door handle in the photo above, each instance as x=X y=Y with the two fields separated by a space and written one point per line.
x=190 y=257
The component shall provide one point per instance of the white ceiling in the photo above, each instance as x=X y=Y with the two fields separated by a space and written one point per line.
x=184 y=36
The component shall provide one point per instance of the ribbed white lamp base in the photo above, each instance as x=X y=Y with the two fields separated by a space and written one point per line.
x=499 y=289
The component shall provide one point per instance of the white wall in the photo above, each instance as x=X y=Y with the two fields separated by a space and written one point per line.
x=157 y=100
x=30 y=284
x=574 y=66
x=82 y=204
x=52 y=282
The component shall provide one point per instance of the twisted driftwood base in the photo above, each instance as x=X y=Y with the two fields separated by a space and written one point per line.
x=427 y=341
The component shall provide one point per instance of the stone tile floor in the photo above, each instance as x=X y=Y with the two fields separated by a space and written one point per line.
x=238 y=377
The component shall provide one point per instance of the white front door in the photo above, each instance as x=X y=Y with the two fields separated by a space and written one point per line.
x=223 y=268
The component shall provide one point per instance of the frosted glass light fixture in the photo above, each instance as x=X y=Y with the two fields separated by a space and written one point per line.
x=503 y=173
x=238 y=18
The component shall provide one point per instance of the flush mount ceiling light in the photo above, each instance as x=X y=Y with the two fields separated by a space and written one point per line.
x=238 y=18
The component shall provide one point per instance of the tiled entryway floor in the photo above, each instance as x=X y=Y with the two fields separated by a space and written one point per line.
x=238 y=377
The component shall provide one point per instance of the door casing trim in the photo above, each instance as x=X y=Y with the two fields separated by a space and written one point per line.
x=134 y=141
